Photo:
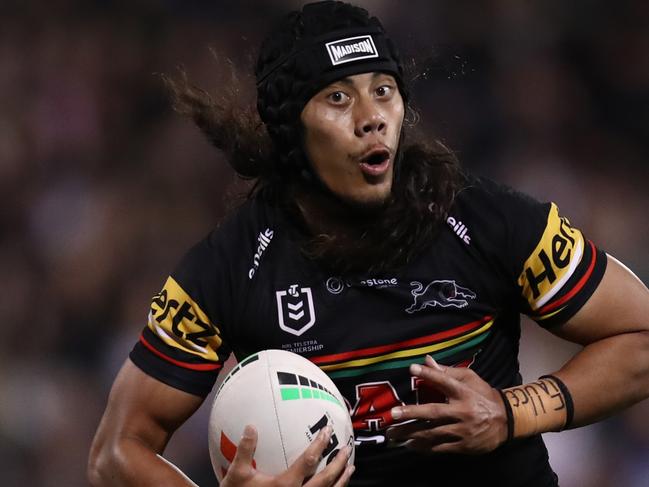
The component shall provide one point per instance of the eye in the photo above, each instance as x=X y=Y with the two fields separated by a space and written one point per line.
x=384 y=91
x=338 y=97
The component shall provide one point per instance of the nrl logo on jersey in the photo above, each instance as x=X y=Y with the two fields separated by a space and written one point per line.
x=295 y=311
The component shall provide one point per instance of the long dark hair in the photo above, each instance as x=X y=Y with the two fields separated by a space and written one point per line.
x=428 y=177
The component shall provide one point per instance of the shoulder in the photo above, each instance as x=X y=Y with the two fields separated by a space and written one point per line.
x=244 y=219
x=496 y=200
x=495 y=214
x=233 y=240
x=555 y=267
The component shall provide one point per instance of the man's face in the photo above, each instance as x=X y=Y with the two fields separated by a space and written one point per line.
x=352 y=130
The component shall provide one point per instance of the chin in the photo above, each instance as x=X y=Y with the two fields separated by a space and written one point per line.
x=369 y=202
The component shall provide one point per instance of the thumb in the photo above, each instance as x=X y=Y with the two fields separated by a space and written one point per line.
x=243 y=458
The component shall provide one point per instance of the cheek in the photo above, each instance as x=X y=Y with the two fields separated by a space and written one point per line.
x=329 y=136
x=324 y=115
x=398 y=114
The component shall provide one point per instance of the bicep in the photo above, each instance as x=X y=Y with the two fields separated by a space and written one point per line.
x=620 y=304
x=143 y=409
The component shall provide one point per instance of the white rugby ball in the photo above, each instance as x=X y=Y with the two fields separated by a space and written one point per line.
x=289 y=400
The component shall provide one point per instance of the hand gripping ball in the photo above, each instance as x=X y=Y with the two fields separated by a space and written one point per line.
x=289 y=400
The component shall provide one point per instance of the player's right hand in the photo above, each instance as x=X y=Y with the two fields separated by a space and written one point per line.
x=242 y=473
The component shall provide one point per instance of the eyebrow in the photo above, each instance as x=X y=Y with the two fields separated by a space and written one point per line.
x=348 y=81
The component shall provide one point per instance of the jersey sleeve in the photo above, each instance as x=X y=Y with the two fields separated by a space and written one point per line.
x=548 y=267
x=182 y=343
x=558 y=267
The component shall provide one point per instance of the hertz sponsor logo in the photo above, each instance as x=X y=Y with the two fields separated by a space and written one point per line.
x=351 y=49
x=553 y=261
x=181 y=323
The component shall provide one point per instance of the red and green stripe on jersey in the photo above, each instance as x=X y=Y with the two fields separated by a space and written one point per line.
x=401 y=354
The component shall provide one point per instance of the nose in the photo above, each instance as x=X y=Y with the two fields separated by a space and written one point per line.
x=369 y=119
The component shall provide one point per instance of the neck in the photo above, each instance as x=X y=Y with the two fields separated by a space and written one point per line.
x=324 y=213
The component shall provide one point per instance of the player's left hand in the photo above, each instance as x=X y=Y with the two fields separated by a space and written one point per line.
x=472 y=421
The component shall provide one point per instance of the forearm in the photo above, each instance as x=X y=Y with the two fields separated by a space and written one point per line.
x=141 y=415
x=607 y=375
x=604 y=377
x=131 y=463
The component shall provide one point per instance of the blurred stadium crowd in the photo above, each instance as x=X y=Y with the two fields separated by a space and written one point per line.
x=103 y=187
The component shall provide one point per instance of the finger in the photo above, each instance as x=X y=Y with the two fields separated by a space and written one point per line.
x=450 y=447
x=431 y=362
x=444 y=439
x=441 y=379
x=346 y=476
x=433 y=411
x=243 y=458
x=424 y=446
x=452 y=438
x=333 y=472
x=405 y=430
x=246 y=448
x=459 y=373
x=439 y=435
x=308 y=461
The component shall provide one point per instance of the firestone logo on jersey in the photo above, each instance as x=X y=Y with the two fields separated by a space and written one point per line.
x=380 y=283
x=336 y=285
x=295 y=310
x=264 y=239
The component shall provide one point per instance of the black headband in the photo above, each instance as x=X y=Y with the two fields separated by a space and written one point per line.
x=324 y=59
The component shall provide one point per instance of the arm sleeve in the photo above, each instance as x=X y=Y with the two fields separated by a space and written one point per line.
x=558 y=268
x=182 y=343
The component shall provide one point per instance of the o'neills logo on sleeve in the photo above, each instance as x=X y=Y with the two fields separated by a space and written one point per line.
x=351 y=49
x=460 y=229
x=263 y=239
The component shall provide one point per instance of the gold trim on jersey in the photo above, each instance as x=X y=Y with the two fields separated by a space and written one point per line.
x=553 y=261
x=181 y=323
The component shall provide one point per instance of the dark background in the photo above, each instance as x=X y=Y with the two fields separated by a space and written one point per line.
x=103 y=187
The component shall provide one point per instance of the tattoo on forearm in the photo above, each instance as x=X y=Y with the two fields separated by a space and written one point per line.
x=536 y=407
x=538 y=394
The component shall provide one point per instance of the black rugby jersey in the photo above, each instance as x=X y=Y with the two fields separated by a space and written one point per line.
x=247 y=287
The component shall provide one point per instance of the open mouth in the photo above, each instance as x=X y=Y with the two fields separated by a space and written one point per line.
x=376 y=162
x=376 y=157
